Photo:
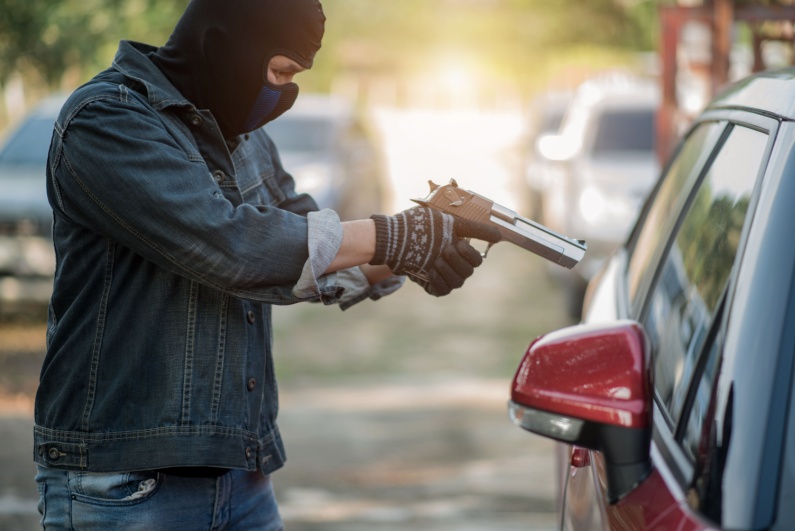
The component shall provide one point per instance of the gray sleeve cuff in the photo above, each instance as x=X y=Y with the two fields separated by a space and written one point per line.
x=325 y=238
x=346 y=287
x=357 y=288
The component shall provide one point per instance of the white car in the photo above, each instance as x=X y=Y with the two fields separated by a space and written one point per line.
x=607 y=165
x=547 y=115
x=324 y=145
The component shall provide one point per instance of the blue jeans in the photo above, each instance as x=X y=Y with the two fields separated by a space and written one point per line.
x=154 y=500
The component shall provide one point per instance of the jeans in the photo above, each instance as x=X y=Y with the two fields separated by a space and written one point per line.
x=153 y=500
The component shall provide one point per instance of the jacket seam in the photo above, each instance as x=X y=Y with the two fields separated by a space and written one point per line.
x=190 y=352
x=219 y=366
x=99 y=334
x=149 y=433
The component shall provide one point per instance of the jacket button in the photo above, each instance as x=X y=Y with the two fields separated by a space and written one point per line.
x=252 y=384
x=196 y=120
x=53 y=453
x=250 y=316
x=248 y=453
x=219 y=176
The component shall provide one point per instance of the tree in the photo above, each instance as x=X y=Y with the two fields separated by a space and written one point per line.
x=511 y=37
x=49 y=39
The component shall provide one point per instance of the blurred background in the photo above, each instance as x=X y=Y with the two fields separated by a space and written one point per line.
x=394 y=413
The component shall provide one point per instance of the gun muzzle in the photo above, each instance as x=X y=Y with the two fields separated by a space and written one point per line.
x=538 y=239
x=514 y=228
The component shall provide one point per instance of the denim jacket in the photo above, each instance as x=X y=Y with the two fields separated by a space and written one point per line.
x=171 y=246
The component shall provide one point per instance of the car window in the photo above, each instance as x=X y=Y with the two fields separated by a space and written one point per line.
x=30 y=144
x=696 y=270
x=693 y=434
x=624 y=130
x=662 y=214
x=301 y=134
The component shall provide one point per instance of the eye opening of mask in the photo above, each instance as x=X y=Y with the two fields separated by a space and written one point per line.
x=284 y=53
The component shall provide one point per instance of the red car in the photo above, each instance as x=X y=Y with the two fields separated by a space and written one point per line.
x=673 y=399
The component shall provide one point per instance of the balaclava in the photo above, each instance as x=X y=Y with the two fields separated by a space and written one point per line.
x=218 y=54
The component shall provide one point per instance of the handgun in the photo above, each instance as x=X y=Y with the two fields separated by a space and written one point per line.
x=514 y=228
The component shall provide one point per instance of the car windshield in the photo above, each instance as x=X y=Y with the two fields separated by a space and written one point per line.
x=292 y=134
x=29 y=145
x=624 y=130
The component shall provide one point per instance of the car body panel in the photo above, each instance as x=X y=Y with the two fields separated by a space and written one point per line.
x=769 y=255
x=768 y=92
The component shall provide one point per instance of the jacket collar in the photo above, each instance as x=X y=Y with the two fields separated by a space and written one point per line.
x=132 y=60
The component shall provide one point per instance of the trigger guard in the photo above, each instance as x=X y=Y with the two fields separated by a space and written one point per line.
x=484 y=253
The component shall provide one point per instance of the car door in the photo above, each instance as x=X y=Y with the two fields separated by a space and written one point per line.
x=675 y=275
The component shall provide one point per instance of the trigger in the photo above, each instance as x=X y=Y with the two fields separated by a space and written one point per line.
x=482 y=253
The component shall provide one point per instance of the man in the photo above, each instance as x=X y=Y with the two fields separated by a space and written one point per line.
x=175 y=229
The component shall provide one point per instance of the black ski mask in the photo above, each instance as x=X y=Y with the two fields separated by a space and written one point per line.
x=219 y=52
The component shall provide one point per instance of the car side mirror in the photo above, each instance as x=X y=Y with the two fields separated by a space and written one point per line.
x=590 y=386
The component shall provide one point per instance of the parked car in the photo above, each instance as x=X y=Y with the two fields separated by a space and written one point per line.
x=27 y=259
x=327 y=149
x=673 y=400
x=604 y=165
x=546 y=118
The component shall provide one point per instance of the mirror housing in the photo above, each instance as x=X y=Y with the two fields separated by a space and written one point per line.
x=590 y=386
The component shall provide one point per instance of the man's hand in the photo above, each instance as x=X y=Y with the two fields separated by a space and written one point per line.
x=427 y=245
x=454 y=265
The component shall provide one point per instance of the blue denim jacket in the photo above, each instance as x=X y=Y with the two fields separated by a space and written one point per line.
x=171 y=246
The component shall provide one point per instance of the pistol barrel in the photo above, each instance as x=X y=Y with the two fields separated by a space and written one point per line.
x=537 y=238
x=514 y=228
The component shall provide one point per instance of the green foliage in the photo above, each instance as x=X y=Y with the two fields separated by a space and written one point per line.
x=709 y=239
x=52 y=38
x=508 y=37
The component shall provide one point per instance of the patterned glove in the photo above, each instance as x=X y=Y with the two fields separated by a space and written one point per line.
x=411 y=243
x=454 y=265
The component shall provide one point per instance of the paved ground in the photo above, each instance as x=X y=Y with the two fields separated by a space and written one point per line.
x=429 y=456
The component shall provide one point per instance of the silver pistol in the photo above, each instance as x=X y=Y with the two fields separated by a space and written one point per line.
x=514 y=228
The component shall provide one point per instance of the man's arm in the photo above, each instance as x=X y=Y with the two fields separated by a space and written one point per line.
x=357 y=249
x=428 y=246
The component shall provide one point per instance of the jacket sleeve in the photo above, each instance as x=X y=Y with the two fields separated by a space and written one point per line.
x=301 y=204
x=116 y=170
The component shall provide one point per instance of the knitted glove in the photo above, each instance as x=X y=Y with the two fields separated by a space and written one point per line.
x=454 y=265
x=410 y=243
